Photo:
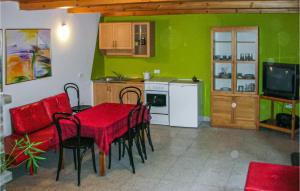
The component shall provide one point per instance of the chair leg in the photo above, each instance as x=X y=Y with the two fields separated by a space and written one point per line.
x=109 y=157
x=130 y=156
x=59 y=163
x=149 y=136
x=137 y=143
x=79 y=167
x=93 y=157
x=143 y=143
x=119 y=143
x=75 y=160
x=123 y=154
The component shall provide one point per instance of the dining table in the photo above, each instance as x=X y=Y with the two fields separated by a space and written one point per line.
x=104 y=122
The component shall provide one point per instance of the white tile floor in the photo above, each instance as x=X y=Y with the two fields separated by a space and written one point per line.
x=208 y=159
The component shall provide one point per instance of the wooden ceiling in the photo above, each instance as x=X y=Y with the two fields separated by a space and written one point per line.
x=163 y=7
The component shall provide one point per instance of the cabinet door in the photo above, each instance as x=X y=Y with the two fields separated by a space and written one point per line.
x=100 y=93
x=123 y=35
x=245 y=113
x=221 y=110
x=114 y=91
x=131 y=97
x=106 y=36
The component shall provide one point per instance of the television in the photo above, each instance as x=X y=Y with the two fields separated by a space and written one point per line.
x=281 y=80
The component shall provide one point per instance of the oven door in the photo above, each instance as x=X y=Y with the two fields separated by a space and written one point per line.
x=159 y=101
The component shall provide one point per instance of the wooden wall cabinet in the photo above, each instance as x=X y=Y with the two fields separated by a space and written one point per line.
x=134 y=39
x=234 y=77
x=109 y=92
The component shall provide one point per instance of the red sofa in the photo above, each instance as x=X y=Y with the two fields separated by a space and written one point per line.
x=272 y=177
x=35 y=120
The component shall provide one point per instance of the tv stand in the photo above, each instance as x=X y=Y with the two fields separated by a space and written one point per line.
x=271 y=122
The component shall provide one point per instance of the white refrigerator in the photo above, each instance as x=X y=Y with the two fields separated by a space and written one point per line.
x=185 y=103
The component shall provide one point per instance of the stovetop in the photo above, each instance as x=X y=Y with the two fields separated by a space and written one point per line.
x=160 y=80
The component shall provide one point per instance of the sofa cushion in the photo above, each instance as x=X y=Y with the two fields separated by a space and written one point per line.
x=29 y=118
x=57 y=103
x=46 y=136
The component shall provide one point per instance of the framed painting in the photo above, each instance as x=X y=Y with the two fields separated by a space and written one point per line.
x=1 y=59
x=28 y=55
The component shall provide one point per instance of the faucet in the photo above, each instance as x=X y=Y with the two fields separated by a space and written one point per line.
x=119 y=76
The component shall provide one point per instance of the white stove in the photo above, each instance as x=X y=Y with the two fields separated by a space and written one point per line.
x=157 y=93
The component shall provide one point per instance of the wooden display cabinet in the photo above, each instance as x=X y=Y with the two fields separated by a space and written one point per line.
x=234 y=77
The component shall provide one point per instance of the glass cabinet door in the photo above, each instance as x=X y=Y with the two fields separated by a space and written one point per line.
x=246 y=58
x=222 y=77
x=222 y=61
x=140 y=39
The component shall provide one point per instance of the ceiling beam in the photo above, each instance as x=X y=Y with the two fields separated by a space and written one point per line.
x=191 y=11
x=196 y=6
x=46 y=4
x=152 y=7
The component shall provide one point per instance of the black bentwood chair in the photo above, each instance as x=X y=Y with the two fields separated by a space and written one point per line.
x=131 y=135
x=135 y=93
x=78 y=107
x=145 y=128
x=76 y=143
x=128 y=91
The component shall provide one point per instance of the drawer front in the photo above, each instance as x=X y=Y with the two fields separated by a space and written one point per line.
x=221 y=110
x=245 y=114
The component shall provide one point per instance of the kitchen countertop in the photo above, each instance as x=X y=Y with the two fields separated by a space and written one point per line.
x=185 y=81
x=130 y=80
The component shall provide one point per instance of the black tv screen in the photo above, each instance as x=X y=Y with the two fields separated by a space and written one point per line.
x=281 y=80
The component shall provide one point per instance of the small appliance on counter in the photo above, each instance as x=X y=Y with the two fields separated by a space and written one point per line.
x=185 y=103
x=147 y=75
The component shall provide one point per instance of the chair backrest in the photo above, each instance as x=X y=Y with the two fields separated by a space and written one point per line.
x=146 y=111
x=72 y=86
x=130 y=90
x=69 y=121
x=133 y=119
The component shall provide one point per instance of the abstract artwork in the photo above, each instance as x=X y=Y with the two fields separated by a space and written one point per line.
x=1 y=58
x=28 y=55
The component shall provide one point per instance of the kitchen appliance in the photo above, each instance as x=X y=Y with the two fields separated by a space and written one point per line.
x=185 y=103
x=147 y=75
x=281 y=80
x=157 y=93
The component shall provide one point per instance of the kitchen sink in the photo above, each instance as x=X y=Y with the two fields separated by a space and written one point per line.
x=111 y=79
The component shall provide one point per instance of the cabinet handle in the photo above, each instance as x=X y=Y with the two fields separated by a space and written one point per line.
x=233 y=105
x=115 y=44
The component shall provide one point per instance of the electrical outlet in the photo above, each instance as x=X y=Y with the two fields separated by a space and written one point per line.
x=156 y=71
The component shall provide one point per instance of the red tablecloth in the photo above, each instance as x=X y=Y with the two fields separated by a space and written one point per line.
x=104 y=122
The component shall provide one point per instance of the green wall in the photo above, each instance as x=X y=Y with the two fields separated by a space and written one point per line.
x=183 y=44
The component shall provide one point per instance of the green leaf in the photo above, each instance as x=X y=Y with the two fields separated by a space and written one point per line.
x=35 y=164
x=28 y=164
x=40 y=158
x=36 y=143
x=38 y=150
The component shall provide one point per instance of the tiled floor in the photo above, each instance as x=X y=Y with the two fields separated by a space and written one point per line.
x=208 y=159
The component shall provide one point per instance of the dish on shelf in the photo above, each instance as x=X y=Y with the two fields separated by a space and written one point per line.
x=225 y=89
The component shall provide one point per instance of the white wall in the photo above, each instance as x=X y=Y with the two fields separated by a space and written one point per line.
x=71 y=60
